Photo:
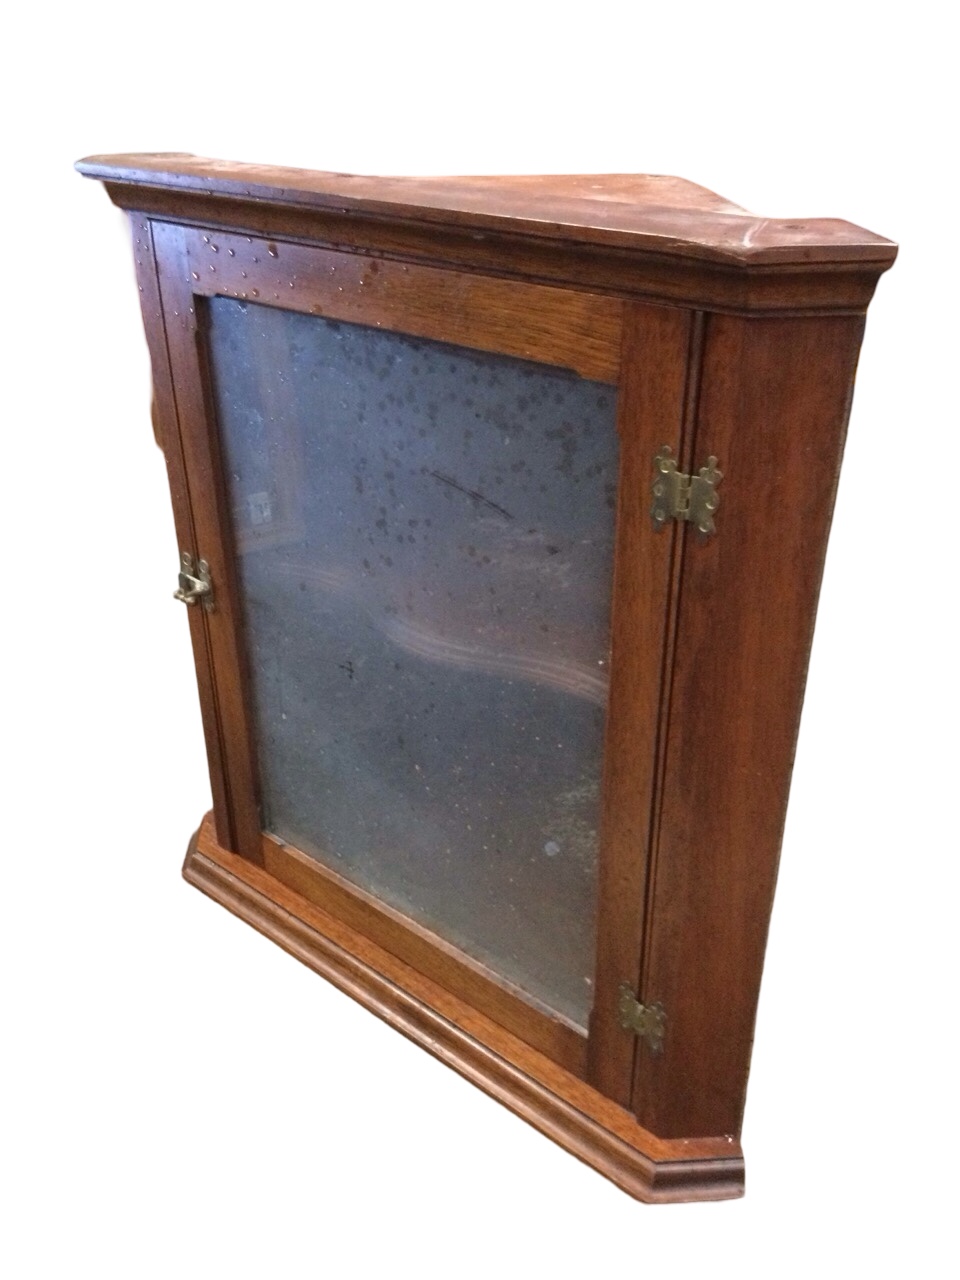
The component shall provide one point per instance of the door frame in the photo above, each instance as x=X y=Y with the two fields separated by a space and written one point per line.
x=598 y=336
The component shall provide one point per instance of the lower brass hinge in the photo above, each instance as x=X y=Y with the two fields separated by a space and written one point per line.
x=648 y=1021
x=681 y=497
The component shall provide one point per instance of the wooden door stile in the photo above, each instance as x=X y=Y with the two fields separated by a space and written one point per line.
x=653 y=411
x=166 y=425
x=214 y=538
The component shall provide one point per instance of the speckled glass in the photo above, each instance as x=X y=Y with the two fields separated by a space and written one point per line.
x=425 y=537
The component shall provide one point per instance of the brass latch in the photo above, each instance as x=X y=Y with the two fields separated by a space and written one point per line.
x=648 y=1021
x=680 y=497
x=195 y=582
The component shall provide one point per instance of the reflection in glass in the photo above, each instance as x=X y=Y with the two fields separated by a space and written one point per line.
x=425 y=538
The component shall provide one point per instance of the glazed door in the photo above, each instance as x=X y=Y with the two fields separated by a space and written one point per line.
x=432 y=661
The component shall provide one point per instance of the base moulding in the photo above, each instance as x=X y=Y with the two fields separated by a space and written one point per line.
x=553 y=1100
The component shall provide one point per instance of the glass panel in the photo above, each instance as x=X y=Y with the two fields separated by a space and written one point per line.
x=426 y=539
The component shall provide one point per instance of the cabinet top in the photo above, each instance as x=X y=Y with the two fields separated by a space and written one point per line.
x=646 y=212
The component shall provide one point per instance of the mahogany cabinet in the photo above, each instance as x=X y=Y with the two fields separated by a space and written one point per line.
x=502 y=505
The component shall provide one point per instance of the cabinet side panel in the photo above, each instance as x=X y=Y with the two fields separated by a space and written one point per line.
x=773 y=409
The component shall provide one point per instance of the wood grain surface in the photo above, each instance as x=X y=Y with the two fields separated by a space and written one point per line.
x=577 y=330
x=652 y=412
x=727 y=335
x=773 y=408
x=430 y=954
x=560 y=1105
x=638 y=236
x=637 y=211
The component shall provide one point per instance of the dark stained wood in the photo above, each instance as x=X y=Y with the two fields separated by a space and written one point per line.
x=773 y=409
x=167 y=432
x=651 y=413
x=224 y=623
x=553 y=325
x=648 y=238
x=553 y=1100
x=578 y=330
x=636 y=211
x=776 y=290
x=445 y=964
x=728 y=335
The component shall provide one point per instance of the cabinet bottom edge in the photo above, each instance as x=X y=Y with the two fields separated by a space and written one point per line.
x=548 y=1097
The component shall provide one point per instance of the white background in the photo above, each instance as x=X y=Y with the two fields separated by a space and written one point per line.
x=181 y=1099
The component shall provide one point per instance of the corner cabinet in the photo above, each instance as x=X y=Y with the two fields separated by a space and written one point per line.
x=502 y=505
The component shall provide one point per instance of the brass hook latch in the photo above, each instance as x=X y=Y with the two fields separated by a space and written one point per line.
x=680 y=497
x=195 y=582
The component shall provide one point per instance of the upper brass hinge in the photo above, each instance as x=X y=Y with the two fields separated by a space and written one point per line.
x=196 y=584
x=648 y=1021
x=680 y=497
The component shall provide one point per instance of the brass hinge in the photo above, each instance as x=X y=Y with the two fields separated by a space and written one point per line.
x=680 y=497
x=648 y=1021
x=195 y=582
